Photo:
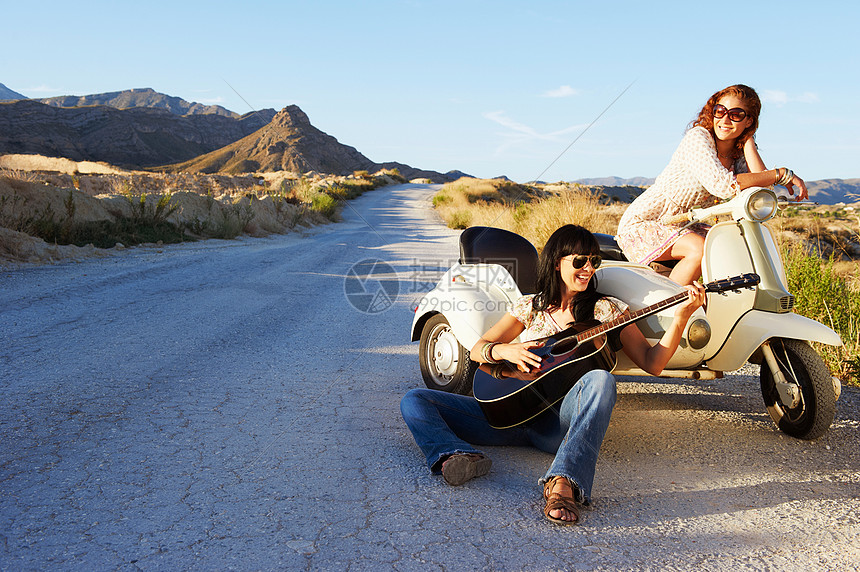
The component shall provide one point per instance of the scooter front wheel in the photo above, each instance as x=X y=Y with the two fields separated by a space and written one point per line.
x=445 y=364
x=799 y=397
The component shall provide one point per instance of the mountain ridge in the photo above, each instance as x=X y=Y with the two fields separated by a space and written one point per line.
x=144 y=97
x=7 y=94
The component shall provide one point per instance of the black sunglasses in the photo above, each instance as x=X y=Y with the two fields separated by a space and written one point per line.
x=579 y=260
x=735 y=113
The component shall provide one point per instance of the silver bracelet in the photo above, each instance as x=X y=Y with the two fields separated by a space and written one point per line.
x=486 y=352
x=786 y=178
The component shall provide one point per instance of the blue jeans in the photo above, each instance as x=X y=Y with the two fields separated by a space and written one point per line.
x=445 y=423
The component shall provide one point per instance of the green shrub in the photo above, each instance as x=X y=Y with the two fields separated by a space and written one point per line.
x=441 y=198
x=824 y=296
x=325 y=205
x=460 y=219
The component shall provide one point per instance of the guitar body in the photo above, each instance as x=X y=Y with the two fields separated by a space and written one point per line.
x=517 y=397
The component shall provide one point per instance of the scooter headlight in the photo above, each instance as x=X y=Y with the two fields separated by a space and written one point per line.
x=760 y=205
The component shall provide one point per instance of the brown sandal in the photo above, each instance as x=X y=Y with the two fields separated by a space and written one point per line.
x=462 y=467
x=554 y=501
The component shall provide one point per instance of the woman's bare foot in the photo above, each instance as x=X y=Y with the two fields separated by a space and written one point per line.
x=561 y=504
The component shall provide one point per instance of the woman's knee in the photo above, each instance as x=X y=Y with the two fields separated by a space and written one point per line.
x=602 y=384
x=690 y=246
x=411 y=402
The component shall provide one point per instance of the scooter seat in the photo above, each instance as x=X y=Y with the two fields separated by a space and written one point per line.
x=489 y=245
x=609 y=249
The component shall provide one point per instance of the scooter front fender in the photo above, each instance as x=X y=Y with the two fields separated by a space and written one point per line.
x=756 y=327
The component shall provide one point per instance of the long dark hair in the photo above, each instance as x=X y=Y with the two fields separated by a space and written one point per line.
x=746 y=94
x=569 y=239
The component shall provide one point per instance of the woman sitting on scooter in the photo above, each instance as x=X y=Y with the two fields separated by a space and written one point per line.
x=716 y=159
x=444 y=424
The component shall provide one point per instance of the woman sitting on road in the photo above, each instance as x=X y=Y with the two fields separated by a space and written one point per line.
x=716 y=159
x=444 y=424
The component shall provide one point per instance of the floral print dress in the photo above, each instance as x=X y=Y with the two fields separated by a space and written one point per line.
x=694 y=178
x=540 y=324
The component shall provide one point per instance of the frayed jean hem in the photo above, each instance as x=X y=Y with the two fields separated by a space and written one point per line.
x=436 y=466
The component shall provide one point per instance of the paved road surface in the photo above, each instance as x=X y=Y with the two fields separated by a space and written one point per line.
x=226 y=406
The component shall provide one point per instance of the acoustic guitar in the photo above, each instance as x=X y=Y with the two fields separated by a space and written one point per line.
x=509 y=397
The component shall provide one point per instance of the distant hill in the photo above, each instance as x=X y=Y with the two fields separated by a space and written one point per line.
x=7 y=94
x=131 y=138
x=825 y=191
x=290 y=143
x=617 y=182
x=145 y=97
x=832 y=191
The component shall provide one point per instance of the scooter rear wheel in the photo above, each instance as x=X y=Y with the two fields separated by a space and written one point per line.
x=445 y=364
x=800 y=363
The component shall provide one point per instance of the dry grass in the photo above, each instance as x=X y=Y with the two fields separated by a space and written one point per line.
x=533 y=212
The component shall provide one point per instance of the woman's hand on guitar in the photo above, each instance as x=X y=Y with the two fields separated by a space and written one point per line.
x=519 y=354
x=695 y=299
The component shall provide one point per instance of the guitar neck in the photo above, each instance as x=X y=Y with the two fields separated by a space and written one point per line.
x=734 y=283
x=630 y=318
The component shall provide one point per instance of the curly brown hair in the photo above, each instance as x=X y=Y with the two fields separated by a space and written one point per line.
x=745 y=94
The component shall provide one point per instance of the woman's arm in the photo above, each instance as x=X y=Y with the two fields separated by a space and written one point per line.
x=654 y=358
x=753 y=159
x=768 y=178
x=500 y=335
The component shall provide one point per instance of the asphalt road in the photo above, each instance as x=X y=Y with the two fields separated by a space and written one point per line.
x=234 y=405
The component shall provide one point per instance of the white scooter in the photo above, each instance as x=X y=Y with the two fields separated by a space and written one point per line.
x=755 y=324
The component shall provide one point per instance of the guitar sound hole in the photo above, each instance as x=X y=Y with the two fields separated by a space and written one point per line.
x=563 y=346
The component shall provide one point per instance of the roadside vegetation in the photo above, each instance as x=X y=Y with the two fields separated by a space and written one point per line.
x=109 y=209
x=820 y=247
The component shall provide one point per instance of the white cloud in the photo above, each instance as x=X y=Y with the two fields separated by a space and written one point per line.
x=500 y=118
x=780 y=98
x=43 y=89
x=563 y=91
x=808 y=97
x=521 y=134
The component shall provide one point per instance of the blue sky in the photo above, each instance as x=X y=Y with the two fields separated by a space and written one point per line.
x=487 y=87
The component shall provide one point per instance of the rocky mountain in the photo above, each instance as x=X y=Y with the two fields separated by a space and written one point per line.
x=145 y=97
x=290 y=143
x=141 y=128
x=7 y=94
x=133 y=138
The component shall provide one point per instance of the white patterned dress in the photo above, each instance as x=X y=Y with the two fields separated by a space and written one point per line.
x=540 y=324
x=694 y=178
